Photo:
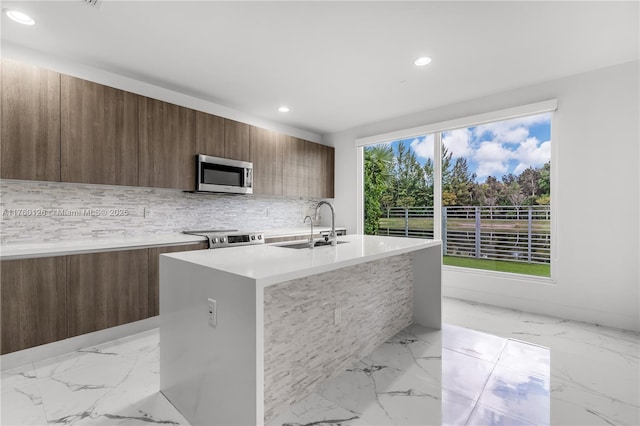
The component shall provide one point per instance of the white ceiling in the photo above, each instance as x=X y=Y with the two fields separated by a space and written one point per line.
x=338 y=65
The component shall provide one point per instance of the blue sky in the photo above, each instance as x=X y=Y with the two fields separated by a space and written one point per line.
x=494 y=149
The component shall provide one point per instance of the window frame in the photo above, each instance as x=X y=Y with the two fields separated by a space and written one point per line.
x=549 y=106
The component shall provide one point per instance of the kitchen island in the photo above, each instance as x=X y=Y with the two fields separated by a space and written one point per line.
x=284 y=320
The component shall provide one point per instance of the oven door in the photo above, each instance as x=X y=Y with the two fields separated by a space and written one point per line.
x=216 y=174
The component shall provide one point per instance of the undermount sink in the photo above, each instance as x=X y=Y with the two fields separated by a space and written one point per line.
x=306 y=244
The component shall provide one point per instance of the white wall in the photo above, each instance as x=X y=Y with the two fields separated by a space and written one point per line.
x=597 y=197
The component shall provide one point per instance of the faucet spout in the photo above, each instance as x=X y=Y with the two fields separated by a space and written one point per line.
x=310 y=235
x=332 y=235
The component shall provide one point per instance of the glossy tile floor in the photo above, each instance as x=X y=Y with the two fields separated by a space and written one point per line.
x=476 y=378
x=497 y=366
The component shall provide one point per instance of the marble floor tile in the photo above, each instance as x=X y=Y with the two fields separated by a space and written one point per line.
x=522 y=395
x=318 y=411
x=464 y=374
x=405 y=352
x=382 y=395
x=600 y=375
x=571 y=405
x=21 y=397
x=19 y=376
x=577 y=337
x=487 y=416
x=22 y=404
x=456 y=409
x=470 y=342
x=475 y=316
x=497 y=367
x=526 y=357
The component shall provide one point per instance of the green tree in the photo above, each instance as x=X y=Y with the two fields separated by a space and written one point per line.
x=428 y=179
x=378 y=163
x=544 y=179
x=491 y=191
x=410 y=184
x=446 y=168
x=528 y=181
x=461 y=182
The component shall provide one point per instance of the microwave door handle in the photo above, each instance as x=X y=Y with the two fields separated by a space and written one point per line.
x=249 y=178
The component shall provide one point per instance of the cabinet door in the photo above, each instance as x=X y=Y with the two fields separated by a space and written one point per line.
x=315 y=169
x=308 y=168
x=154 y=273
x=266 y=156
x=30 y=122
x=33 y=302
x=107 y=289
x=236 y=140
x=322 y=181
x=320 y=170
x=166 y=142
x=294 y=166
x=99 y=133
x=209 y=134
x=328 y=157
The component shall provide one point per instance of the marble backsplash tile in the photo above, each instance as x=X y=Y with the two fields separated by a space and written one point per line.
x=304 y=343
x=53 y=211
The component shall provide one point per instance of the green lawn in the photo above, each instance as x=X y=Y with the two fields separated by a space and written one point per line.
x=419 y=224
x=498 y=265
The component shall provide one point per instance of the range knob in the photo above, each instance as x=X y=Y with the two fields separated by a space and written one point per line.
x=214 y=240
x=259 y=236
x=222 y=239
x=253 y=237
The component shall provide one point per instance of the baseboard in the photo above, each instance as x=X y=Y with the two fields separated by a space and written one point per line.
x=39 y=353
x=608 y=319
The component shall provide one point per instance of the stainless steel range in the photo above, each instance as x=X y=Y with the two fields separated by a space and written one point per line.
x=221 y=238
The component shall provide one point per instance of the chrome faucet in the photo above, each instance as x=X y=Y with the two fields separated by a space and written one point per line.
x=332 y=235
x=310 y=235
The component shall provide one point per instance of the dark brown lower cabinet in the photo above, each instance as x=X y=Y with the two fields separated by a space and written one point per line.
x=34 y=308
x=107 y=289
x=53 y=298
x=154 y=272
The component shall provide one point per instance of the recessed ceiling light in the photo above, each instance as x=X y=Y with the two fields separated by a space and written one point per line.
x=421 y=62
x=20 y=17
x=284 y=109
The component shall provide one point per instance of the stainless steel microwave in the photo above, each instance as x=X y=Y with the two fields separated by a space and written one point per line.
x=215 y=174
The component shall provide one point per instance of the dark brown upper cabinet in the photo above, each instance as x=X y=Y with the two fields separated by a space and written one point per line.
x=221 y=137
x=295 y=171
x=30 y=122
x=320 y=160
x=99 y=133
x=63 y=128
x=266 y=156
x=236 y=140
x=209 y=134
x=166 y=145
x=308 y=168
x=328 y=158
x=34 y=295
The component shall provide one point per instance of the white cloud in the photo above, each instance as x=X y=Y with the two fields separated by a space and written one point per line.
x=493 y=159
x=532 y=153
x=458 y=142
x=423 y=146
x=510 y=131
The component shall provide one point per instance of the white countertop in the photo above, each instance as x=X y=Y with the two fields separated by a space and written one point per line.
x=93 y=245
x=270 y=264
x=62 y=248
